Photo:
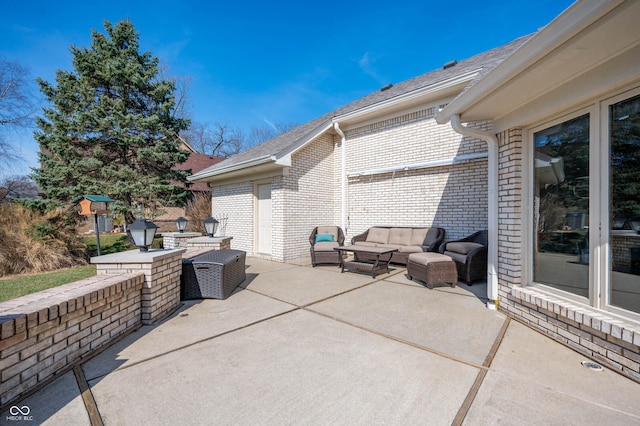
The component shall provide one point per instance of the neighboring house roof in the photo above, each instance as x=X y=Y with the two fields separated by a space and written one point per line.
x=278 y=149
x=197 y=162
x=589 y=40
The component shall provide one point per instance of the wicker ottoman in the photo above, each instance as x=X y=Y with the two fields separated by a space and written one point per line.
x=432 y=268
x=213 y=275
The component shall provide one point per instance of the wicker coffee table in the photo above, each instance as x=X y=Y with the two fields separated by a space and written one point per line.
x=379 y=264
x=213 y=275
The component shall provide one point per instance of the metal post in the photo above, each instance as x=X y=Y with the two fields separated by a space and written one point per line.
x=97 y=229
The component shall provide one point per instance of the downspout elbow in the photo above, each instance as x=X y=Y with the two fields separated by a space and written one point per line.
x=490 y=138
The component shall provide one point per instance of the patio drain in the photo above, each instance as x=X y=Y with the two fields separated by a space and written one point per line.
x=592 y=365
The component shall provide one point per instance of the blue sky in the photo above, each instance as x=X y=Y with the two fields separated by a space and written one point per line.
x=253 y=63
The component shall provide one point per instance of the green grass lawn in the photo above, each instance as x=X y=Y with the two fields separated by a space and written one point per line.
x=109 y=243
x=21 y=285
x=113 y=243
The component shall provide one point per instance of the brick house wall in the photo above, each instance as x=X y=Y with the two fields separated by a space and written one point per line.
x=236 y=201
x=308 y=194
x=453 y=197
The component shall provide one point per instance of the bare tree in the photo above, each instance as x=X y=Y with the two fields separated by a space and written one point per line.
x=181 y=93
x=218 y=139
x=198 y=135
x=225 y=140
x=228 y=140
x=260 y=134
x=18 y=187
x=17 y=105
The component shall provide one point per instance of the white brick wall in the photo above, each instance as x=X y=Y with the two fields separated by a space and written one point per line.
x=452 y=197
x=309 y=197
x=237 y=202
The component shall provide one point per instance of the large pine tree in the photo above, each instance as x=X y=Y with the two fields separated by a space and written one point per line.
x=111 y=127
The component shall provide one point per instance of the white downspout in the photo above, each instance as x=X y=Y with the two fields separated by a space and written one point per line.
x=343 y=177
x=492 y=212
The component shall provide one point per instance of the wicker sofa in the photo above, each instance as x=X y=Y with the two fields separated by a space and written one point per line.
x=406 y=239
x=470 y=255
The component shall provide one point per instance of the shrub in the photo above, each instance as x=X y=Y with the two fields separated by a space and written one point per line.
x=35 y=242
x=198 y=209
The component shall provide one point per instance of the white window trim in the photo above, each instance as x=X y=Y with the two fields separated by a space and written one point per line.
x=604 y=150
x=528 y=238
x=598 y=217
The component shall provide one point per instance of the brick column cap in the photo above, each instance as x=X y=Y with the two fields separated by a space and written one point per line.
x=136 y=256
x=210 y=239
x=182 y=234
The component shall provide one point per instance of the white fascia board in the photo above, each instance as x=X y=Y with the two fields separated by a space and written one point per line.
x=285 y=158
x=204 y=175
x=430 y=92
x=574 y=19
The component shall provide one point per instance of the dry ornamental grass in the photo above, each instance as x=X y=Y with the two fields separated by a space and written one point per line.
x=31 y=242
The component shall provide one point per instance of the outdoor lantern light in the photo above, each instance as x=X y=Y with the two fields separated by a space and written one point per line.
x=211 y=225
x=142 y=232
x=181 y=223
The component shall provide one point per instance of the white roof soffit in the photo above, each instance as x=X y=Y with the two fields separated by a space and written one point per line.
x=583 y=37
x=441 y=89
x=210 y=175
x=258 y=165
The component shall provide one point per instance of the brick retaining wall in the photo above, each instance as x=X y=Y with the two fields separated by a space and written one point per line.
x=44 y=333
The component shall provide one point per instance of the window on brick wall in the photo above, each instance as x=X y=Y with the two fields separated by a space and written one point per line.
x=586 y=205
x=623 y=128
x=561 y=197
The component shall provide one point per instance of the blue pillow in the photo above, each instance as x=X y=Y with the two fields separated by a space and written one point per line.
x=324 y=238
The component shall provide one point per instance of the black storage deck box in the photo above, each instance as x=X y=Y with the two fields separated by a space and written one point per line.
x=213 y=275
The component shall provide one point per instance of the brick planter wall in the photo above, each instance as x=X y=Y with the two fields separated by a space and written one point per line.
x=45 y=333
x=162 y=270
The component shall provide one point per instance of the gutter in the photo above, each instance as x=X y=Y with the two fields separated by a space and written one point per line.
x=413 y=97
x=343 y=177
x=233 y=167
x=492 y=211
x=570 y=22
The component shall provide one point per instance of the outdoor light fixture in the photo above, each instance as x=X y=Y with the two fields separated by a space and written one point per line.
x=142 y=231
x=211 y=226
x=181 y=224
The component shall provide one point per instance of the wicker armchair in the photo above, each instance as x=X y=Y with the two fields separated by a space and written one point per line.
x=470 y=255
x=323 y=251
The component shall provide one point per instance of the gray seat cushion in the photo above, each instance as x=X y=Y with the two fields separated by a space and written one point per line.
x=462 y=247
x=325 y=246
x=378 y=235
x=365 y=244
x=425 y=258
x=410 y=249
x=400 y=236
x=460 y=258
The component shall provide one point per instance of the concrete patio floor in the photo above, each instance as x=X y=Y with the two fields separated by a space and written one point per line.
x=303 y=345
